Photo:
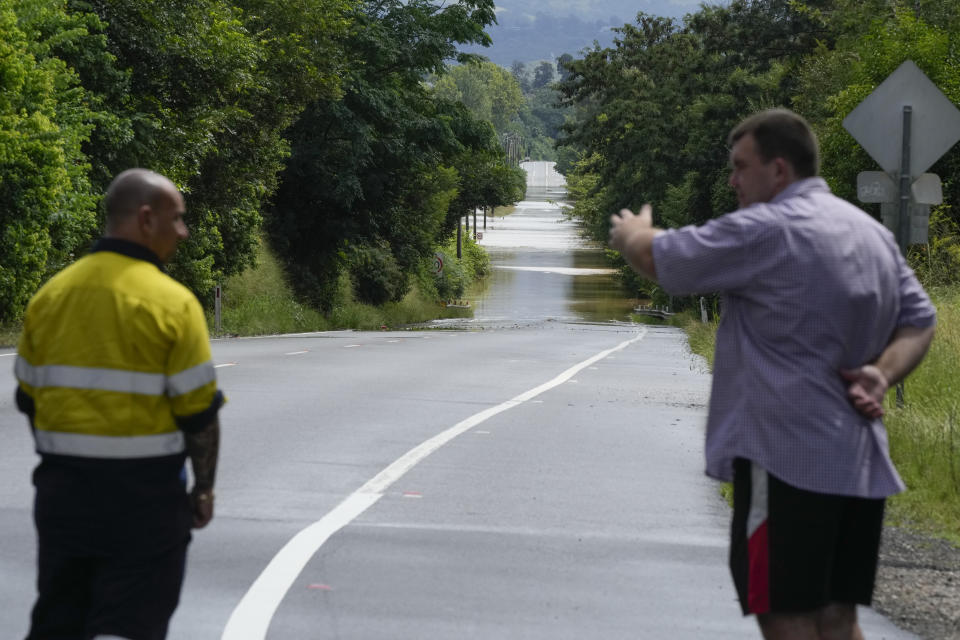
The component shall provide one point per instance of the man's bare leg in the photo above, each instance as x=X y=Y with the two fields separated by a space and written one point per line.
x=833 y=622
x=789 y=626
x=839 y=622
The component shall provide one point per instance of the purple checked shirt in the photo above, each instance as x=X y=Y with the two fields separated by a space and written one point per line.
x=811 y=285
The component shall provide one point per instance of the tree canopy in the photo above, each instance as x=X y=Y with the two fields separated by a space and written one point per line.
x=310 y=119
x=651 y=113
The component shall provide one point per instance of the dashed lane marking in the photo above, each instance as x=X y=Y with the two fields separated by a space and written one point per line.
x=251 y=617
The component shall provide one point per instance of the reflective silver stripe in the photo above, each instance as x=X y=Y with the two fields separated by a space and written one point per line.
x=58 y=375
x=87 y=446
x=23 y=370
x=758 y=499
x=154 y=384
x=190 y=379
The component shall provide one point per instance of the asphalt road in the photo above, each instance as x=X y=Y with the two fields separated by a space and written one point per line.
x=534 y=479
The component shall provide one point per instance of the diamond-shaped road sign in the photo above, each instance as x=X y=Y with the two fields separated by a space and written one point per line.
x=877 y=122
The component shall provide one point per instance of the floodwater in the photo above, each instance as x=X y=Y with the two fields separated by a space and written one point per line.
x=543 y=270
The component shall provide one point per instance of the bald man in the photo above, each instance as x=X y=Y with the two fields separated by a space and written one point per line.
x=116 y=378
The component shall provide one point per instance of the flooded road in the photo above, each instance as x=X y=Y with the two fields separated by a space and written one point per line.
x=543 y=270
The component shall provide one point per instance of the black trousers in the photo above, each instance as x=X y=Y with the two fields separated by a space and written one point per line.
x=112 y=551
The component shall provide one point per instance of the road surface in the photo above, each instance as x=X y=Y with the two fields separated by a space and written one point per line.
x=523 y=476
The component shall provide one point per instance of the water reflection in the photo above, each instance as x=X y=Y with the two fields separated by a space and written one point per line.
x=543 y=270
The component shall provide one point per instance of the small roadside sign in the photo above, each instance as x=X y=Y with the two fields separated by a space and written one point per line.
x=927 y=189
x=438 y=263
x=876 y=186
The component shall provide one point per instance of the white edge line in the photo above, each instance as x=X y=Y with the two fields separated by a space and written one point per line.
x=4 y=355
x=226 y=364
x=251 y=618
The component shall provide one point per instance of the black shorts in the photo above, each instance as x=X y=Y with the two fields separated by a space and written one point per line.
x=796 y=551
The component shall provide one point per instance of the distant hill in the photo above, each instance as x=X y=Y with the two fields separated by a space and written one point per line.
x=531 y=30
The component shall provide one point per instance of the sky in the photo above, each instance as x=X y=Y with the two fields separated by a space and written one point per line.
x=591 y=10
x=533 y=30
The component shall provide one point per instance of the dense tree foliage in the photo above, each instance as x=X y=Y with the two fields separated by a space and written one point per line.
x=45 y=198
x=377 y=178
x=651 y=114
x=217 y=95
x=489 y=91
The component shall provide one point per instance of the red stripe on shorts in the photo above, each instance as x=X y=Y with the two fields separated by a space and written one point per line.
x=758 y=580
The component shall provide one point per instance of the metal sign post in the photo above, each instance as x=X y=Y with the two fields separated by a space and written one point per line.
x=216 y=310
x=903 y=237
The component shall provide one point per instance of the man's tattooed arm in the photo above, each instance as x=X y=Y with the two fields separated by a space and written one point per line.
x=203 y=448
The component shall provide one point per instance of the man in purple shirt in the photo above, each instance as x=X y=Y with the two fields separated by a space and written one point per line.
x=821 y=315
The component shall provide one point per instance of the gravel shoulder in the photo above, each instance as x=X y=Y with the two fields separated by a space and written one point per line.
x=918 y=584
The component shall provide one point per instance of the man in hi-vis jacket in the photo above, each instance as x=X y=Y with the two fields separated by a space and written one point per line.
x=116 y=377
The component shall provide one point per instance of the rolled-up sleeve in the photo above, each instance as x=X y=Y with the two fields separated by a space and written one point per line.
x=711 y=257
x=191 y=377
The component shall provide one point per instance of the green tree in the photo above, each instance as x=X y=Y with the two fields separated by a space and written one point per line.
x=543 y=75
x=874 y=39
x=488 y=90
x=362 y=166
x=649 y=116
x=46 y=206
x=192 y=92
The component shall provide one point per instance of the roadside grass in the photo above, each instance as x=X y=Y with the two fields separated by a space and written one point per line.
x=499 y=212
x=924 y=435
x=9 y=335
x=259 y=301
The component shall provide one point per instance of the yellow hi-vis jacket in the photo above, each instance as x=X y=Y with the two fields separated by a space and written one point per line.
x=114 y=357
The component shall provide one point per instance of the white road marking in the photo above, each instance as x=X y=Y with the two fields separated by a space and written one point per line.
x=227 y=364
x=350 y=346
x=251 y=617
x=295 y=353
x=4 y=355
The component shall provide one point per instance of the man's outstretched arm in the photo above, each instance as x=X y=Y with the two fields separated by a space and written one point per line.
x=632 y=235
x=869 y=383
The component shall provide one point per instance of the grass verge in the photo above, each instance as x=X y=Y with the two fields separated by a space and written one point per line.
x=924 y=435
x=260 y=302
x=9 y=335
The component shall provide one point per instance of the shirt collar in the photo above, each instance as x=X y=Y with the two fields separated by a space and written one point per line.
x=127 y=248
x=802 y=187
